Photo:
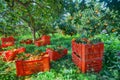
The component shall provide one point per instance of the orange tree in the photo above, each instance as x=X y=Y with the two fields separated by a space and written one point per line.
x=64 y=22
x=94 y=19
x=33 y=14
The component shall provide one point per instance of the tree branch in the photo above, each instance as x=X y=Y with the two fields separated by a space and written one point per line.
x=28 y=3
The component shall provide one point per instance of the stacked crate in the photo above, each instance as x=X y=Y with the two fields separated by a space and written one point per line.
x=88 y=57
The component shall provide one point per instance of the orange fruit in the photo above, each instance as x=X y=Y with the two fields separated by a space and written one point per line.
x=96 y=11
x=113 y=30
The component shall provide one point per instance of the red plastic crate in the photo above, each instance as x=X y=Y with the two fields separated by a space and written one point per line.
x=28 y=67
x=21 y=50
x=45 y=37
x=88 y=51
x=4 y=45
x=44 y=40
x=9 y=41
x=39 y=43
x=28 y=41
x=87 y=65
x=54 y=55
x=9 y=55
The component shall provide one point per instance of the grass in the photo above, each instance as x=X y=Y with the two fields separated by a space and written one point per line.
x=64 y=68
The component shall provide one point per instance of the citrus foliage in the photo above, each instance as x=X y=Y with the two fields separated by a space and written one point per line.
x=33 y=14
x=92 y=19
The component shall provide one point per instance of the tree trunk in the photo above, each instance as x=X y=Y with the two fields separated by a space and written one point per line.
x=33 y=34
